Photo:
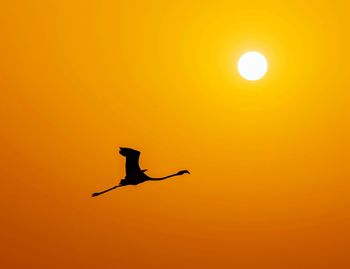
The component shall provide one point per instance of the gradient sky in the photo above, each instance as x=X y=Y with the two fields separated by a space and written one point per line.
x=270 y=176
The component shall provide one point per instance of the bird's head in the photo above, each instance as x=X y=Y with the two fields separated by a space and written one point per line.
x=183 y=172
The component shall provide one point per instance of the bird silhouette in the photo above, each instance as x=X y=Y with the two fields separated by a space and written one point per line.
x=134 y=174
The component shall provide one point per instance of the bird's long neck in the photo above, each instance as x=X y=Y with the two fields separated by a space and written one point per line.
x=161 y=178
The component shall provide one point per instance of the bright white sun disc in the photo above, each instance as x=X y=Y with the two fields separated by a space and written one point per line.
x=252 y=66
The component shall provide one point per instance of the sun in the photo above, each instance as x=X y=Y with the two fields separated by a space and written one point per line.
x=252 y=66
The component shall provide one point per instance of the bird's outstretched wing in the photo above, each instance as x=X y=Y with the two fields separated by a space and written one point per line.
x=132 y=167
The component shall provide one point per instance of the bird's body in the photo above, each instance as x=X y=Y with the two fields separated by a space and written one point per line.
x=134 y=174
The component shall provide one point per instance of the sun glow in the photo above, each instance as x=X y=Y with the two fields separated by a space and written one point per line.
x=252 y=66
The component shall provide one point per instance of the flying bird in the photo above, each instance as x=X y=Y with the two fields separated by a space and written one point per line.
x=134 y=174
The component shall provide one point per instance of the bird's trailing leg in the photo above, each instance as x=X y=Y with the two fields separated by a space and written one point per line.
x=102 y=192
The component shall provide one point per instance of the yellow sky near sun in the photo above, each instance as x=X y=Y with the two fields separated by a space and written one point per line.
x=269 y=184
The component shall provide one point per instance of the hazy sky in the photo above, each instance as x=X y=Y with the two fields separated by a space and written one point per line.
x=269 y=159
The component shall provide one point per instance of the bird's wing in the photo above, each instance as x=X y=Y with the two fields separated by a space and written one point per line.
x=132 y=167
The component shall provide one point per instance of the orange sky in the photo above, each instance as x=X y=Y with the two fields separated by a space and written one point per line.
x=270 y=177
